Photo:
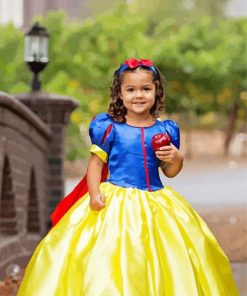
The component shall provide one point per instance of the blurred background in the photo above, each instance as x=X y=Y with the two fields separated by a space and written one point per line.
x=200 y=46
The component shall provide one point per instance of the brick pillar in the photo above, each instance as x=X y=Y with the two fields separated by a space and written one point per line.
x=55 y=111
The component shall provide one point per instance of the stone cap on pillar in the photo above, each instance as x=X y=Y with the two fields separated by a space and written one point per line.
x=10 y=102
x=52 y=108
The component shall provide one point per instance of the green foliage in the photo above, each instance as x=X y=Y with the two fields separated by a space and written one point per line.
x=183 y=11
x=11 y=60
x=204 y=62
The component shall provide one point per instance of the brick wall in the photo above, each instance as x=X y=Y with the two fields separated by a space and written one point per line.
x=24 y=142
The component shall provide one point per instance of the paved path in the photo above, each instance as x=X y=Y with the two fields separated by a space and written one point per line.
x=240 y=274
x=219 y=184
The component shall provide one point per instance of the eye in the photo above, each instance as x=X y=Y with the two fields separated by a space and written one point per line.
x=147 y=88
x=130 y=89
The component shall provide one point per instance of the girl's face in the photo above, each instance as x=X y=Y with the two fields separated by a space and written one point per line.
x=138 y=92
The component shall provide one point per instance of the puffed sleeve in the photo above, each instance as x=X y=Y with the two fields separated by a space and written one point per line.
x=172 y=129
x=101 y=134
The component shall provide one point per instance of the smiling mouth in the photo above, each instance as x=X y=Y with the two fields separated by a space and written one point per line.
x=139 y=103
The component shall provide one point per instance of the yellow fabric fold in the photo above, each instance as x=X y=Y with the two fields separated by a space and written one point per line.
x=141 y=244
x=99 y=152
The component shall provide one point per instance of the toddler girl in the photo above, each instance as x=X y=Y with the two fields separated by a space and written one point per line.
x=121 y=232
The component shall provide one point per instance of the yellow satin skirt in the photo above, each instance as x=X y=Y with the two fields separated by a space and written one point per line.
x=141 y=244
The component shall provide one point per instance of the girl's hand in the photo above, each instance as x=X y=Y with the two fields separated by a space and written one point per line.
x=169 y=154
x=97 y=202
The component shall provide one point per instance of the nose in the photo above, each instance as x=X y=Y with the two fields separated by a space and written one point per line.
x=139 y=94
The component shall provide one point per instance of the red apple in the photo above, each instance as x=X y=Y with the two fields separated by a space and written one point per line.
x=160 y=140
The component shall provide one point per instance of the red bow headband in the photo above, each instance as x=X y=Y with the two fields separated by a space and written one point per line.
x=134 y=63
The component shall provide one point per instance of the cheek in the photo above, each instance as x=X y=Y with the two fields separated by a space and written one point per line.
x=127 y=96
x=126 y=101
x=152 y=95
x=152 y=100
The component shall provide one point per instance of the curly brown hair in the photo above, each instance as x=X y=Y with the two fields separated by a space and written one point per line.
x=117 y=109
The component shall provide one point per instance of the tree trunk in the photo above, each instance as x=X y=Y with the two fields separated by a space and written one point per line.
x=188 y=142
x=232 y=118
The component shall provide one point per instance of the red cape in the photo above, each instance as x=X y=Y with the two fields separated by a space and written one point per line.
x=67 y=202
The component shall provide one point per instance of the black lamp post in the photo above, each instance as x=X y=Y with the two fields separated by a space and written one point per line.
x=36 y=52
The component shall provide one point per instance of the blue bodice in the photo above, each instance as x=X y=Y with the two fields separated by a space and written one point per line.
x=128 y=151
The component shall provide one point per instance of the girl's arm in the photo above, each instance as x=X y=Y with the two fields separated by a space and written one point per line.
x=94 y=170
x=172 y=160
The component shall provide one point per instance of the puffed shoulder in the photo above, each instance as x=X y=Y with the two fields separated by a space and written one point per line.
x=172 y=129
x=99 y=126
x=102 y=116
